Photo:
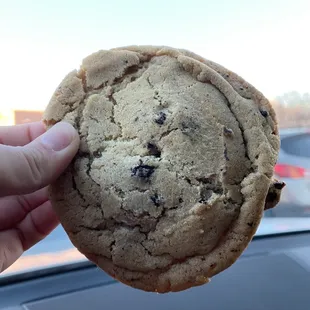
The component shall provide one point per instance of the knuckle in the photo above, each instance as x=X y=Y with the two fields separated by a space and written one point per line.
x=36 y=166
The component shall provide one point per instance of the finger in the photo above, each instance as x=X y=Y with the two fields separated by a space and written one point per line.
x=39 y=163
x=14 y=209
x=35 y=226
x=10 y=248
x=20 y=135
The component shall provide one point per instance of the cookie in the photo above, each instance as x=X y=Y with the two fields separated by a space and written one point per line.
x=174 y=168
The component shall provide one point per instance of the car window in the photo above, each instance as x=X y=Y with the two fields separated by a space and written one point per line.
x=265 y=42
x=298 y=145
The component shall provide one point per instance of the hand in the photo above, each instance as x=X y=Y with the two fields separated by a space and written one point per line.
x=30 y=159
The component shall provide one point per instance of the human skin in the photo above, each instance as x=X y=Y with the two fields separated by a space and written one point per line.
x=31 y=159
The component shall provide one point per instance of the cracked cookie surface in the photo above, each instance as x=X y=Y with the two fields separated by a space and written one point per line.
x=175 y=163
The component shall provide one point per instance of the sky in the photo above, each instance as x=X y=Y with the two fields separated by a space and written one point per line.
x=266 y=42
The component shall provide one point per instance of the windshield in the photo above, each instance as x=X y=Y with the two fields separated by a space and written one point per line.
x=262 y=41
x=297 y=145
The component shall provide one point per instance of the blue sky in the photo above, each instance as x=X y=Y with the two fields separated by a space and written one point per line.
x=265 y=42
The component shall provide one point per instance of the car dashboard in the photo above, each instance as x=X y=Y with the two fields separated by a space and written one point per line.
x=273 y=273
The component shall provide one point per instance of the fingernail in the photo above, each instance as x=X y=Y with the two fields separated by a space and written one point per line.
x=59 y=136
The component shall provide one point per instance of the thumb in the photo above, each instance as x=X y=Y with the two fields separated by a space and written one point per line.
x=39 y=163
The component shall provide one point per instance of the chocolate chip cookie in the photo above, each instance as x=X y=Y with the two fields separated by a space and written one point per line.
x=174 y=167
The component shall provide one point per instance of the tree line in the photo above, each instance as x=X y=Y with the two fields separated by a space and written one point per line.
x=292 y=109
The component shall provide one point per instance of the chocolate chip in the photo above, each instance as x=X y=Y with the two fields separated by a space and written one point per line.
x=228 y=131
x=97 y=154
x=279 y=185
x=271 y=197
x=142 y=171
x=180 y=200
x=263 y=113
x=161 y=118
x=225 y=153
x=205 y=194
x=156 y=200
x=153 y=149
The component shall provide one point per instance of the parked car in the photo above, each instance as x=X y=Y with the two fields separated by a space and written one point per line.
x=293 y=167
